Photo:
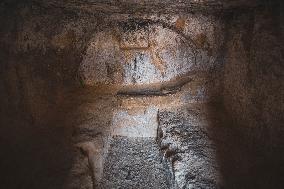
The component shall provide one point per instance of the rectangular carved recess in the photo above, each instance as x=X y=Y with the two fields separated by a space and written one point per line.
x=136 y=38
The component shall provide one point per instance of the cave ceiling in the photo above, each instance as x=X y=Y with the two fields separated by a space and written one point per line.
x=146 y=6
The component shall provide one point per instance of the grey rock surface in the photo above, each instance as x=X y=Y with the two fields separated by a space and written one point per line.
x=184 y=139
x=134 y=163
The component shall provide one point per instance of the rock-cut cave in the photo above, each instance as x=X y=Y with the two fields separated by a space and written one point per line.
x=142 y=94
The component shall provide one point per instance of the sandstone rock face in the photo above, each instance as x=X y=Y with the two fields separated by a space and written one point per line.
x=141 y=94
x=153 y=6
x=151 y=50
x=185 y=141
x=253 y=87
x=138 y=124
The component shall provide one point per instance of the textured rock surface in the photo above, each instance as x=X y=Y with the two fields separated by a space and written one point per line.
x=185 y=139
x=141 y=94
x=147 y=6
x=134 y=163
x=253 y=80
x=151 y=50
x=142 y=123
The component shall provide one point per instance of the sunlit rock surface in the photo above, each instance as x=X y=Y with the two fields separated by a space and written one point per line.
x=151 y=50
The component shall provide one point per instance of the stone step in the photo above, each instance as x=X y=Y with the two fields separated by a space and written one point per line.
x=134 y=162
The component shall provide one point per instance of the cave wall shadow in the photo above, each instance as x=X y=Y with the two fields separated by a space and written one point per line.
x=244 y=159
x=36 y=151
x=36 y=78
x=247 y=122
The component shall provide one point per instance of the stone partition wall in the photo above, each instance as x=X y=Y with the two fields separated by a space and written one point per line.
x=253 y=76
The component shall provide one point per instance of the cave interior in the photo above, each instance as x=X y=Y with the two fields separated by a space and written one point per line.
x=127 y=94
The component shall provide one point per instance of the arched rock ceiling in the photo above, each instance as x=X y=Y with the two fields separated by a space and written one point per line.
x=146 y=6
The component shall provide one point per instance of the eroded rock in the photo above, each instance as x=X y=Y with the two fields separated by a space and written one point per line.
x=184 y=140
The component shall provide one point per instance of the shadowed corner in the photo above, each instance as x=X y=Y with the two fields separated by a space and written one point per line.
x=249 y=138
